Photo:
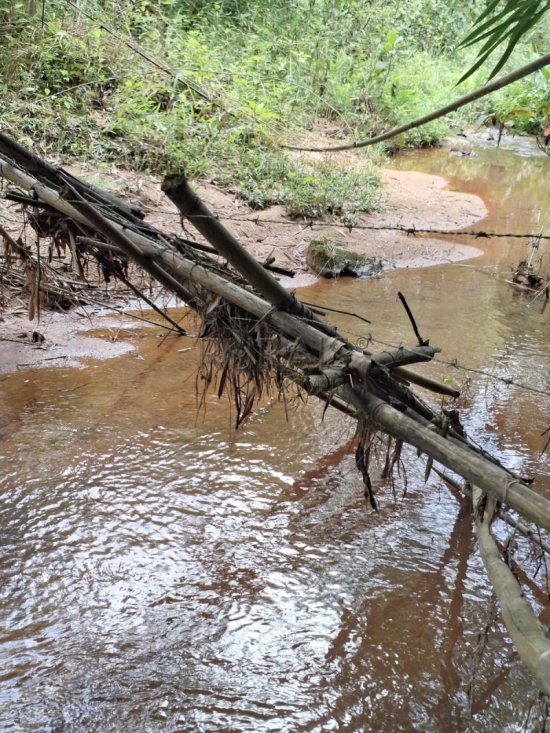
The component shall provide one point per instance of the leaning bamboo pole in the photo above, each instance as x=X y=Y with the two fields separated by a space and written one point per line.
x=369 y=377
x=529 y=636
x=175 y=268
x=191 y=207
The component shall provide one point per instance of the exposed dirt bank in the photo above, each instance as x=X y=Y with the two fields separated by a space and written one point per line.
x=407 y=199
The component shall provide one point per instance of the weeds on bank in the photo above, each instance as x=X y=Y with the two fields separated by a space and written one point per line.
x=73 y=91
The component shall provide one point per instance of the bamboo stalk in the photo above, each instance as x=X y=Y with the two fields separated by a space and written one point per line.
x=328 y=380
x=422 y=381
x=528 y=634
x=453 y=436
x=189 y=204
x=333 y=376
x=37 y=166
x=111 y=231
x=453 y=454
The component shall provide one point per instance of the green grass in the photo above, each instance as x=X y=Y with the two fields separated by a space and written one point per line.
x=74 y=92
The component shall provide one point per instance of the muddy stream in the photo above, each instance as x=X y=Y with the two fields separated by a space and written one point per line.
x=160 y=572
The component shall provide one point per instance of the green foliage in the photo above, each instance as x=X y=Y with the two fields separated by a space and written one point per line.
x=503 y=20
x=75 y=91
x=525 y=107
x=415 y=86
x=343 y=193
x=238 y=157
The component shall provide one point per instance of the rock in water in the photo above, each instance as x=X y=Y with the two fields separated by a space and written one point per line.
x=329 y=260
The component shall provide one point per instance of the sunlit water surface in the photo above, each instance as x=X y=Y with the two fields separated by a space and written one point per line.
x=160 y=572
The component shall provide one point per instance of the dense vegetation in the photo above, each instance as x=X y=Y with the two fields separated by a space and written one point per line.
x=226 y=82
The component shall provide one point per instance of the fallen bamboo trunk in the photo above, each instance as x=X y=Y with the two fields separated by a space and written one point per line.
x=38 y=167
x=528 y=634
x=454 y=455
x=413 y=422
x=190 y=206
x=457 y=456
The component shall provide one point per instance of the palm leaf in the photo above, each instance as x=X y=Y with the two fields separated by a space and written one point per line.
x=511 y=20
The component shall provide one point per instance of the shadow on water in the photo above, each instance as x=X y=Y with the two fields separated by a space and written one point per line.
x=160 y=572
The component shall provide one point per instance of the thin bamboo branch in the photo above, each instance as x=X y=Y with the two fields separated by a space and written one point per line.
x=87 y=241
x=457 y=104
x=21 y=251
x=524 y=530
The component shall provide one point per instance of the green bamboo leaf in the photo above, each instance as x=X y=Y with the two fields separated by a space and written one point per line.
x=494 y=26
x=481 y=31
x=488 y=18
x=488 y=10
x=502 y=29
x=520 y=31
x=492 y=43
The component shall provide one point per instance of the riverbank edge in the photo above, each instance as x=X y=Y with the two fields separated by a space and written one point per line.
x=407 y=200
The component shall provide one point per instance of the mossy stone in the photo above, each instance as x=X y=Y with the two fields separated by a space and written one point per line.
x=329 y=260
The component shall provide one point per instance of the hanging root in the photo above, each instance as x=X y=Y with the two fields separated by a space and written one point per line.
x=365 y=448
x=242 y=356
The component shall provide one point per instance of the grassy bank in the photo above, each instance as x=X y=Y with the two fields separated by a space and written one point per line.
x=224 y=85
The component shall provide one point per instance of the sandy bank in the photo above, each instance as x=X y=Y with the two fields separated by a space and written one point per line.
x=407 y=199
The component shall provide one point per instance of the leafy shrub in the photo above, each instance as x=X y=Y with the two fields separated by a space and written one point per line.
x=76 y=91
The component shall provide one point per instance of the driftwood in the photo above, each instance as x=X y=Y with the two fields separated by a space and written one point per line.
x=290 y=340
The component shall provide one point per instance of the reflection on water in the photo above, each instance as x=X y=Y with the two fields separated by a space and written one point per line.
x=162 y=573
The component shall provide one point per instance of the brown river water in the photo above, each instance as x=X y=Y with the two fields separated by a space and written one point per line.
x=160 y=572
